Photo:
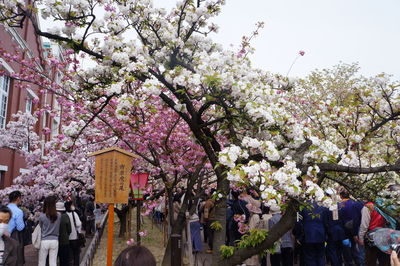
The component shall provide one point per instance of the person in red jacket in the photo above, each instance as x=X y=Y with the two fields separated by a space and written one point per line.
x=370 y=220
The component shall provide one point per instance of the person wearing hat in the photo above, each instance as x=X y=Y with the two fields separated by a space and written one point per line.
x=63 y=237
x=284 y=256
x=253 y=224
x=336 y=234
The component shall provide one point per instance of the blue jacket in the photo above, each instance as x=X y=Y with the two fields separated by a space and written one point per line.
x=314 y=223
x=335 y=228
x=350 y=210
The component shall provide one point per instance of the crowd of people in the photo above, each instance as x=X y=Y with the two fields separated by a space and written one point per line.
x=319 y=237
x=341 y=236
x=58 y=233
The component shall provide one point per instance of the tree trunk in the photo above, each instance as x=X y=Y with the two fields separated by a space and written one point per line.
x=122 y=216
x=220 y=217
x=177 y=228
x=277 y=231
x=167 y=255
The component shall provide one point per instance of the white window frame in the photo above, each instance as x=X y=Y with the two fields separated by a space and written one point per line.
x=25 y=146
x=4 y=95
x=29 y=100
x=55 y=125
x=6 y=66
x=24 y=171
x=2 y=178
x=29 y=104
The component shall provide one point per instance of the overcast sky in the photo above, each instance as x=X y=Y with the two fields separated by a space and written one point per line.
x=329 y=31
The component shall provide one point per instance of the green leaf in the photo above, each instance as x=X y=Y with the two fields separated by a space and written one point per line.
x=216 y=226
x=226 y=251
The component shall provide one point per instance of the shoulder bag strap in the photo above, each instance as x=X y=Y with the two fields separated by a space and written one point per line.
x=73 y=217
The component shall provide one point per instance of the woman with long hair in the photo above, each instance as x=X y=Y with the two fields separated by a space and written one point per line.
x=49 y=222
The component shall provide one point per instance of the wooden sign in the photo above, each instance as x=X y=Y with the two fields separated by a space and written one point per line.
x=112 y=175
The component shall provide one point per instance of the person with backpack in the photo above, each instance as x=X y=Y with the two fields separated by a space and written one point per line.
x=350 y=214
x=371 y=219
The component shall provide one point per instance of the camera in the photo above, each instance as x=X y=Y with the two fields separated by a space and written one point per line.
x=395 y=247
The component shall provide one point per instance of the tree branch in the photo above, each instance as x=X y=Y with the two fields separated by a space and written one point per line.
x=327 y=167
x=277 y=231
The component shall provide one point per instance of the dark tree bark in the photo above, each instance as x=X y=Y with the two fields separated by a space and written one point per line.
x=123 y=217
x=285 y=224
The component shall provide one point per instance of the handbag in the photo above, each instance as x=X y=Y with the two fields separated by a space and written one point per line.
x=24 y=237
x=369 y=238
x=81 y=237
x=37 y=237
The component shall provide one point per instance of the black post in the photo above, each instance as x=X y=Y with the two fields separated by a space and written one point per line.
x=138 y=222
x=176 y=245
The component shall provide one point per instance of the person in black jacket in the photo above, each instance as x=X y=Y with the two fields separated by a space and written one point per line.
x=63 y=237
x=90 y=218
x=238 y=208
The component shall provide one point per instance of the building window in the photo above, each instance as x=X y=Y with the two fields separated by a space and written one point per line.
x=3 y=170
x=25 y=146
x=24 y=171
x=29 y=104
x=4 y=88
x=55 y=126
x=2 y=178
x=31 y=99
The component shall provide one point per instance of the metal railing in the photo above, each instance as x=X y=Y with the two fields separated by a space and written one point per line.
x=91 y=249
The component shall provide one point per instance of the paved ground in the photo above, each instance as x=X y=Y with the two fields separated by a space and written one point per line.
x=31 y=253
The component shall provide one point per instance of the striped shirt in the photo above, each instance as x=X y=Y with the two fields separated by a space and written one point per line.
x=1 y=251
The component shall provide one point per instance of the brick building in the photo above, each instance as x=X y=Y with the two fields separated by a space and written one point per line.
x=14 y=99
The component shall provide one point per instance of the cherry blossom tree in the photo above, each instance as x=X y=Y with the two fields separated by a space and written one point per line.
x=360 y=115
x=164 y=144
x=245 y=119
x=152 y=131
x=52 y=168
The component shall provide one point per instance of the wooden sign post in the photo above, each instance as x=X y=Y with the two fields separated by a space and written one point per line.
x=112 y=174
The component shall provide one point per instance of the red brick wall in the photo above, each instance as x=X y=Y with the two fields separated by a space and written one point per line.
x=17 y=97
x=14 y=161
